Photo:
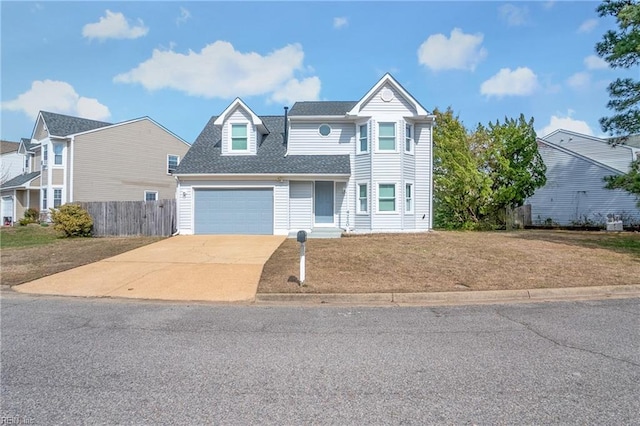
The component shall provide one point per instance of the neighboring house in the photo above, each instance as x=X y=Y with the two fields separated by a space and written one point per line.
x=75 y=159
x=11 y=165
x=362 y=166
x=574 y=193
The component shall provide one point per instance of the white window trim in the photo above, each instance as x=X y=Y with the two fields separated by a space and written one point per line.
x=395 y=137
x=230 y=131
x=53 y=152
x=411 y=139
x=358 y=210
x=54 y=197
x=44 y=202
x=413 y=197
x=359 y=138
x=150 y=192
x=330 y=130
x=395 y=192
x=44 y=156
x=178 y=163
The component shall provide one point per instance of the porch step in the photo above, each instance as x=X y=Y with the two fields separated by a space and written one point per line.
x=320 y=233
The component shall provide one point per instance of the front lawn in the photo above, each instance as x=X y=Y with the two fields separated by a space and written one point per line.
x=31 y=252
x=455 y=261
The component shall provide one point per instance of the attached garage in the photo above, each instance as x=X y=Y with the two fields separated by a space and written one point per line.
x=233 y=211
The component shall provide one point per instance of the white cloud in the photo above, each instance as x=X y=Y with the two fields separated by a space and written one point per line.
x=185 y=15
x=588 y=26
x=56 y=96
x=514 y=15
x=579 y=80
x=340 y=21
x=593 y=62
x=566 y=123
x=548 y=4
x=220 y=71
x=295 y=90
x=459 y=51
x=519 y=82
x=114 y=25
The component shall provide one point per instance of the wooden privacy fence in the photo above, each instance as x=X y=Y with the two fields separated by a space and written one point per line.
x=122 y=218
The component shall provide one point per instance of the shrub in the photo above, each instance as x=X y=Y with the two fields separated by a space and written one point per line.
x=30 y=216
x=72 y=220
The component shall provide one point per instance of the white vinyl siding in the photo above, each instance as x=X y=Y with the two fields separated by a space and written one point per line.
x=386 y=136
x=618 y=157
x=239 y=117
x=305 y=140
x=300 y=205
x=280 y=201
x=398 y=105
x=575 y=193
x=422 y=196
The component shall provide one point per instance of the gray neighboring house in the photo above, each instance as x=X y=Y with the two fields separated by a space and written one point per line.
x=360 y=166
x=69 y=159
x=574 y=193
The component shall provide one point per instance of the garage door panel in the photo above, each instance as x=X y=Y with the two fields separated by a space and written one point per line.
x=234 y=211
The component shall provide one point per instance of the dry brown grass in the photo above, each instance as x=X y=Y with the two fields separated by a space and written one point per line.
x=453 y=261
x=24 y=264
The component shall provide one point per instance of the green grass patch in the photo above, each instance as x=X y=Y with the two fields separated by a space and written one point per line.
x=624 y=243
x=27 y=236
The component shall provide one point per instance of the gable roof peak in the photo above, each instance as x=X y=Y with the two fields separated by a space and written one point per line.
x=240 y=103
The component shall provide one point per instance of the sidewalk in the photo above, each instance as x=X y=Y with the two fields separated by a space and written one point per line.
x=455 y=297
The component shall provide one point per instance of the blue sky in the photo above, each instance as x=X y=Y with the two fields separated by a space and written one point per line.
x=182 y=62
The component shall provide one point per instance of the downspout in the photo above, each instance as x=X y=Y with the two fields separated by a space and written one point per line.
x=431 y=176
x=286 y=130
x=70 y=183
x=177 y=206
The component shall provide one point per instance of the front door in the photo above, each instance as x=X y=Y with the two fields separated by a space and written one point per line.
x=324 y=204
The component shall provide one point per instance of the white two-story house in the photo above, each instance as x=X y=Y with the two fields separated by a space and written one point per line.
x=359 y=166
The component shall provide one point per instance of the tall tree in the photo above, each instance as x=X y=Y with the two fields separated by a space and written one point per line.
x=512 y=161
x=461 y=190
x=621 y=49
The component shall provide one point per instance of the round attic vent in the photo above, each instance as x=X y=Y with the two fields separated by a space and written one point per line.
x=386 y=95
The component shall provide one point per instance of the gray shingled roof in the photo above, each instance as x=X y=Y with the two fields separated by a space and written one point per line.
x=322 y=108
x=20 y=180
x=8 y=146
x=27 y=144
x=63 y=125
x=205 y=157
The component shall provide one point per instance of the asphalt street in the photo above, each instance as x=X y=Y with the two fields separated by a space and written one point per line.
x=101 y=361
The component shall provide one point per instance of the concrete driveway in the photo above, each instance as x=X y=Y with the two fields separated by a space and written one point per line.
x=221 y=268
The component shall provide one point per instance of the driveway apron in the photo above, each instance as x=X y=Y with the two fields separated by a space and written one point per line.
x=220 y=268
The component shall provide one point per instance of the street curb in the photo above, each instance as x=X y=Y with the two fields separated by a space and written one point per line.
x=455 y=297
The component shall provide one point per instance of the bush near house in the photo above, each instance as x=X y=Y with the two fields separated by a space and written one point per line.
x=30 y=216
x=72 y=220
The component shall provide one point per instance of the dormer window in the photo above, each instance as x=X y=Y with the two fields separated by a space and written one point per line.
x=239 y=138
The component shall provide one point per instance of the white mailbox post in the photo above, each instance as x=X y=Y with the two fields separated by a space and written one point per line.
x=302 y=239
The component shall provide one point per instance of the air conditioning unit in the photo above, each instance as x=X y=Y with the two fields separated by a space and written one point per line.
x=614 y=223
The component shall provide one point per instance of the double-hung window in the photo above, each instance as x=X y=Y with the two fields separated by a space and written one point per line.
x=408 y=198
x=408 y=138
x=57 y=198
x=44 y=199
x=363 y=198
x=364 y=139
x=151 y=195
x=57 y=154
x=239 y=139
x=386 y=197
x=172 y=163
x=45 y=156
x=387 y=137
